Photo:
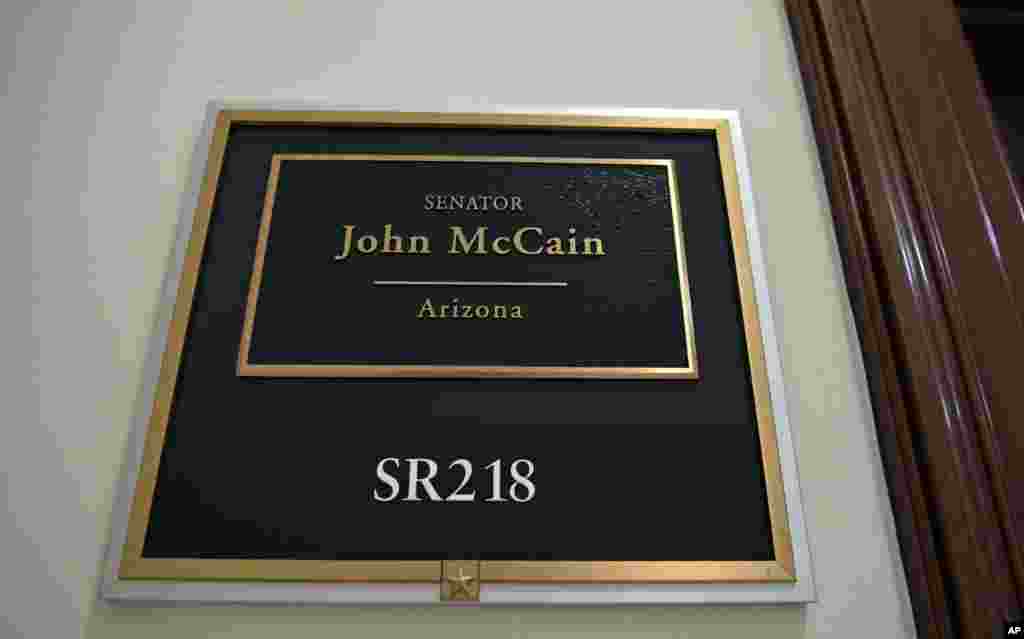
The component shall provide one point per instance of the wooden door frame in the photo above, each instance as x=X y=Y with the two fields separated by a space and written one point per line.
x=931 y=231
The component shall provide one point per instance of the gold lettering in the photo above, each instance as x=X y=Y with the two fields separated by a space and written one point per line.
x=527 y=240
x=554 y=246
x=346 y=245
x=456 y=310
x=426 y=308
x=517 y=240
x=419 y=244
x=598 y=246
x=366 y=244
x=391 y=243
x=459 y=238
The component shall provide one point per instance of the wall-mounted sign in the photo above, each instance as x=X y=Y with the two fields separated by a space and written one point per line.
x=425 y=357
x=468 y=266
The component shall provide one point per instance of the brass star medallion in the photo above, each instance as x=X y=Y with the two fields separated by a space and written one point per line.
x=460 y=581
x=460 y=585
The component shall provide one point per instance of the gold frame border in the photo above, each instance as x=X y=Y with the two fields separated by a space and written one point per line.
x=245 y=369
x=133 y=566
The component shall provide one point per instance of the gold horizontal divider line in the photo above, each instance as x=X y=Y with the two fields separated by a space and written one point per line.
x=632 y=571
x=469 y=120
x=430 y=571
x=516 y=159
x=280 y=570
x=435 y=371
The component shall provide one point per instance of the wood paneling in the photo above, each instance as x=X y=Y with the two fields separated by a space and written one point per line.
x=929 y=223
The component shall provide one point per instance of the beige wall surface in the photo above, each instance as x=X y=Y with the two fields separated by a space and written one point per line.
x=101 y=109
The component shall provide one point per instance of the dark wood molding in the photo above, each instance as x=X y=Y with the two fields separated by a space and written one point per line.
x=931 y=230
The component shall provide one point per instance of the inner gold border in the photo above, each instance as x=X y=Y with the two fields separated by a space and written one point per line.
x=133 y=566
x=245 y=369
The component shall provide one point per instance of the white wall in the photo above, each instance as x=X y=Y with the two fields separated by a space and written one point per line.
x=102 y=106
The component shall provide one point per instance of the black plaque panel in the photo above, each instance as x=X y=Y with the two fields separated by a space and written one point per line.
x=551 y=257
x=626 y=469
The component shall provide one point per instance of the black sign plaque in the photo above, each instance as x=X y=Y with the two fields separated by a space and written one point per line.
x=469 y=266
x=398 y=333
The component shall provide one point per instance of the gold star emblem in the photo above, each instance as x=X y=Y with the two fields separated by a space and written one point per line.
x=459 y=586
